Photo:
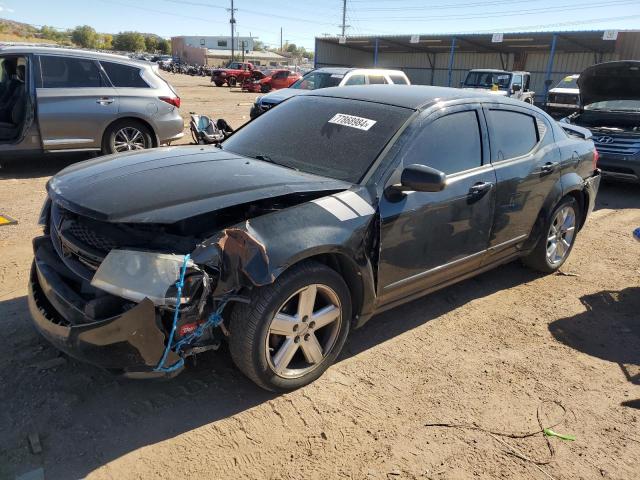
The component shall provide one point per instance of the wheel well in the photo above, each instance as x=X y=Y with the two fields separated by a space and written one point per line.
x=154 y=138
x=581 y=197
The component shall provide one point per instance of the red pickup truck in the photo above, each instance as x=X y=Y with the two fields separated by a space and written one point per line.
x=234 y=73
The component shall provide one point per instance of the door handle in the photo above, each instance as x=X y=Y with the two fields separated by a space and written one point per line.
x=105 y=101
x=480 y=188
x=548 y=167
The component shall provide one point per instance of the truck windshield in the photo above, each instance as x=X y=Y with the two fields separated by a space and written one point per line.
x=315 y=80
x=488 y=80
x=333 y=137
x=568 y=82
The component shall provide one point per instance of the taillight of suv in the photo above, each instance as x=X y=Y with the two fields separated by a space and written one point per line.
x=596 y=157
x=175 y=101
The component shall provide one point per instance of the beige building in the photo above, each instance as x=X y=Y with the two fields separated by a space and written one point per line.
x=218 y=57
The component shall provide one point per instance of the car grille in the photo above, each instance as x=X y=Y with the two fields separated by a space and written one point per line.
x=91 y=238
x=79 y=247
x=566 y=98
x=618 y=144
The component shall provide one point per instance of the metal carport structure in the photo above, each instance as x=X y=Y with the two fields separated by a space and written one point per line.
x=444 y=59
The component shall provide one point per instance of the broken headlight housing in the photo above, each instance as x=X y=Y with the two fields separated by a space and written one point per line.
x=136 y=275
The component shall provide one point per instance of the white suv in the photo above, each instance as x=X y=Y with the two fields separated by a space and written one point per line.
x=329 y=77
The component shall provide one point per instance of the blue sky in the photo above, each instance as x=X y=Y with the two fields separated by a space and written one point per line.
x=303 y=20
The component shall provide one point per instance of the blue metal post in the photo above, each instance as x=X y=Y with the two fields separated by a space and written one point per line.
x=375 y=53
x=552 y=54
x=451 y=55
x=315 y=54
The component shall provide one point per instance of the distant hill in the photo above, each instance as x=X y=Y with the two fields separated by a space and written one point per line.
x=12 y=31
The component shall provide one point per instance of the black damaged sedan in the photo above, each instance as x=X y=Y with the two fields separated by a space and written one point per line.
x=309 y=220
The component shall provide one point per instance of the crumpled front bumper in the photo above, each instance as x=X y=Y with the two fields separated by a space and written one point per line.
x=130 y=344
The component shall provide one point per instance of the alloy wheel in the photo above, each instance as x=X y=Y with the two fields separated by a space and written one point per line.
x=303 y=331
x=129 y=138
x=561 y=235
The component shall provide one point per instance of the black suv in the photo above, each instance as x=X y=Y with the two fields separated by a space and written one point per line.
x=358 y=199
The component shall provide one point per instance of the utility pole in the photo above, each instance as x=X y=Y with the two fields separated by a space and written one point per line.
x=344 y=15
x=280 y=38
x=232 y=21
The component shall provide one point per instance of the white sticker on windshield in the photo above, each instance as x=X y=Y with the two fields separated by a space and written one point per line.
x=352 y=121
x=337 y=75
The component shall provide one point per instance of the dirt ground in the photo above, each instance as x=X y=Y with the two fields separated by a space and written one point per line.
x=488 y=352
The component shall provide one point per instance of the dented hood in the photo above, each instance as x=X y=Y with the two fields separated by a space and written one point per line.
x=165 y=185
x=610 y=81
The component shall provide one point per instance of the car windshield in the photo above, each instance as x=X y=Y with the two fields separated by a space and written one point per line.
x=235 y=66
x=568 y=82
x=488 y=79
x=617 y=105
x=315 y=80
x=333 y=137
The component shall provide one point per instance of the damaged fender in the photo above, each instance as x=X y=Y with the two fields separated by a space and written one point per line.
x=255 y=252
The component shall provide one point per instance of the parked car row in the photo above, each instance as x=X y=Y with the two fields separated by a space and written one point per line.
x=329 y=77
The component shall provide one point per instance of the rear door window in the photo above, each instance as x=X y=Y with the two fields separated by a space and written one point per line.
x=377 y=80
x=69 y=72
x=356 y=80
x=124 y=75
x=398 y=79
x=513 y=134
x=451 y=143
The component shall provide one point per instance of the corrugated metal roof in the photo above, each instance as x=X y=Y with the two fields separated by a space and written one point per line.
x=567 y=41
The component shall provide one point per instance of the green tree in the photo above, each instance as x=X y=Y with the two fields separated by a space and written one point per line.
x=84 y=36
x=164 y=46
x=105 y=42
x=129 y=42
x=50 y=33
x=258 y=45
x=151 y=43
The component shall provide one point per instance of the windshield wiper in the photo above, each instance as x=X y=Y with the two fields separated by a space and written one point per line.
x=268 y=159
x=265 y=158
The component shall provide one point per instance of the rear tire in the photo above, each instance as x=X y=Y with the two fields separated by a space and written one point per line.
x=232 y=81
x=558 y=238
x=293 y=329
x=126 y=135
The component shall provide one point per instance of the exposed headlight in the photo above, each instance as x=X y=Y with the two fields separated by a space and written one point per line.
x=138 y=275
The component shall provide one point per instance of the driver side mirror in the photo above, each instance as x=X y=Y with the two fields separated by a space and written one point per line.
x=420 y=178
x=516 y=88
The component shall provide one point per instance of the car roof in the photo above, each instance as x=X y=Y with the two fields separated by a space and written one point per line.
x=407 y=96
x=70 y=52
x=337 y=70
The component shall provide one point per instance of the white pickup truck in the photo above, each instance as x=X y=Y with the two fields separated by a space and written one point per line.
x=500 y=82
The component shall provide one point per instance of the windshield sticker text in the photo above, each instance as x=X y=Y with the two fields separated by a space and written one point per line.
x=352 y=121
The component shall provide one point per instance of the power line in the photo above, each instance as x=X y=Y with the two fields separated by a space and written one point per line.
x=513 y=13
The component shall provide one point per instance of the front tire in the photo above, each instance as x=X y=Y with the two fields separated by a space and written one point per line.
x=126 y=135
x=232 y=81
x=558 y=238
x=293 y=329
